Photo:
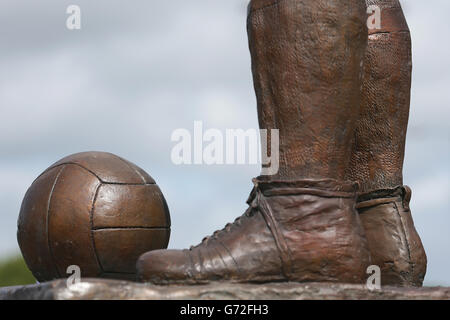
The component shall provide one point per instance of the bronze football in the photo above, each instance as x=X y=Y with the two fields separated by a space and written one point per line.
x=93 y=210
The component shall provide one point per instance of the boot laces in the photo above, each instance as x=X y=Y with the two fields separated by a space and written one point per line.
x=228 y=227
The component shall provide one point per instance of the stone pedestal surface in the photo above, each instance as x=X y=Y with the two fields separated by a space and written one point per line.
x=110 y=289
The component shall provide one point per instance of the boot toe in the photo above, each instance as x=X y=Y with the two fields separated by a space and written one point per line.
x=160 y=266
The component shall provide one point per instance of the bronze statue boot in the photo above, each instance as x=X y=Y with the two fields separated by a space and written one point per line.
x=377 y=160
x=393 y=241
x=292 y=231
x=302 y=224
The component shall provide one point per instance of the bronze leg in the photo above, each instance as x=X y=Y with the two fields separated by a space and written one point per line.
x=306 y=62
x=377 y=160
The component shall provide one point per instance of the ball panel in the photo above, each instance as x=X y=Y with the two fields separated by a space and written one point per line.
x=108 y=167
x=166 y=210
x=115 y=244
x=144 y=175
x=69 y=222
x=32 y=227
x=130 y=206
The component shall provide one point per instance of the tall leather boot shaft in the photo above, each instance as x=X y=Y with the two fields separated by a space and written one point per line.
x=378 y=154
x=306 y=61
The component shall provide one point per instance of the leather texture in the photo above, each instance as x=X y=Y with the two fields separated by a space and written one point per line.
x=394 y=243
x=306 y=63
x=292 y=231
x=380 y=136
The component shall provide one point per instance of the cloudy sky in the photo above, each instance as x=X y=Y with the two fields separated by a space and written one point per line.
x=138 y=70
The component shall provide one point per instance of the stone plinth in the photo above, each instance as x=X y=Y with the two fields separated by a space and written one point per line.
x=110 y=289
